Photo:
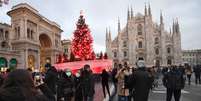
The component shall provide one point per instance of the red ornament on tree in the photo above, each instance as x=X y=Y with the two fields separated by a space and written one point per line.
x=82 y=40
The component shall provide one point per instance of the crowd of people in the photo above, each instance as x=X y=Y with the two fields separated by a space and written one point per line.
x=130 y=83
x=53 y=85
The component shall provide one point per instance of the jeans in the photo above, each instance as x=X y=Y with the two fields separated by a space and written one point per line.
x=122 y=98
x=107 y=88
x=189 y=79
x=197 y=79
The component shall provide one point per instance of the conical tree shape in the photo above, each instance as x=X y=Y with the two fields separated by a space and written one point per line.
x=82 y=40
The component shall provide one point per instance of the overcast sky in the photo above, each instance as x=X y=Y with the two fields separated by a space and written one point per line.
x=100 y=14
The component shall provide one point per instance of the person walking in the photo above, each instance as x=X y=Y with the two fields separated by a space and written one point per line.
x=88 y=83
x=189 y=73
x=141 y=82
x=105 y=85
x=174 y=81
x=197 y=71
x=122 y=91
x=114 y=80
x=126 y=78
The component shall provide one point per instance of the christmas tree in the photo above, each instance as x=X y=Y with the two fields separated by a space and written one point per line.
x=82 y=40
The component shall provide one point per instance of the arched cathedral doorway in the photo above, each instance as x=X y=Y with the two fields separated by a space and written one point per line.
x=45 y=50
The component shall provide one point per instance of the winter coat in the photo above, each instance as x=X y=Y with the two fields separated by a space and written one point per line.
x=121 y=89
x=142 y=82
x=174 y=79
x=189 y=71
x=105 y=77
x=51 y=79
x=45 y=90
x=197 y=70
x=1 y=80
x=16 y=94
x=88 y=84
x=114 y=72
x=78 y=89
x=67 y=85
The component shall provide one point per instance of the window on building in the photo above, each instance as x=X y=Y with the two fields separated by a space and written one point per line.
x=125 y=54
x=168 y=50
x=56 y=43
x=156 y=51
x=139 y=29
x=28 y=33
x=7 y=35
x=65 y=50
x=169 y=62
x=140 y=44
x=156 y=41
x=124 y=44
x=31 y=34
x=115 y=54
x=18 y=32
x=157 y=63
x=140 y=58
x=1 y=33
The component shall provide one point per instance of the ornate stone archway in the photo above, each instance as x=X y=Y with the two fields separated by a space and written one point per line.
x=45 y=50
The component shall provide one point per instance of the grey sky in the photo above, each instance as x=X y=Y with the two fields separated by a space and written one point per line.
x=100 y=14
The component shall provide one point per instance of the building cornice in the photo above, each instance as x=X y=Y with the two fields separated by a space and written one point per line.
x=28 y=7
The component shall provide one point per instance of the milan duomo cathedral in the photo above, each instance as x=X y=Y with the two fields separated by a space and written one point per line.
x=143 y=39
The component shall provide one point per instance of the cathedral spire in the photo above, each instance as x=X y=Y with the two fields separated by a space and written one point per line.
x=173 y=27
x=145 y=10
x=109 y=35
x=161 y=18
x=119 y=26
x=149 y=10
x=177 y=29
x=132 y=12
x=128 y=15
x=106 y=34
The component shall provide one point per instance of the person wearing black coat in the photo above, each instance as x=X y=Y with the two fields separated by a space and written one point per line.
x=78 y=86
x=51 y=78
x=105 y=77
x=174 y=82
x=197 y=71
x=88 y=83
x=19 y=86
x=66 y=82
x=1 y=79
x=141 y=81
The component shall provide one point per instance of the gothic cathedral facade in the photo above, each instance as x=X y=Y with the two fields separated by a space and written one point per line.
x=143 y=39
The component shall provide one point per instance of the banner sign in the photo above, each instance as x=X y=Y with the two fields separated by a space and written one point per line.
x=96 y=65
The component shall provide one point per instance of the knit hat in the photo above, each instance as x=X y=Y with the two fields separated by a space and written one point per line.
x=140 y=64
